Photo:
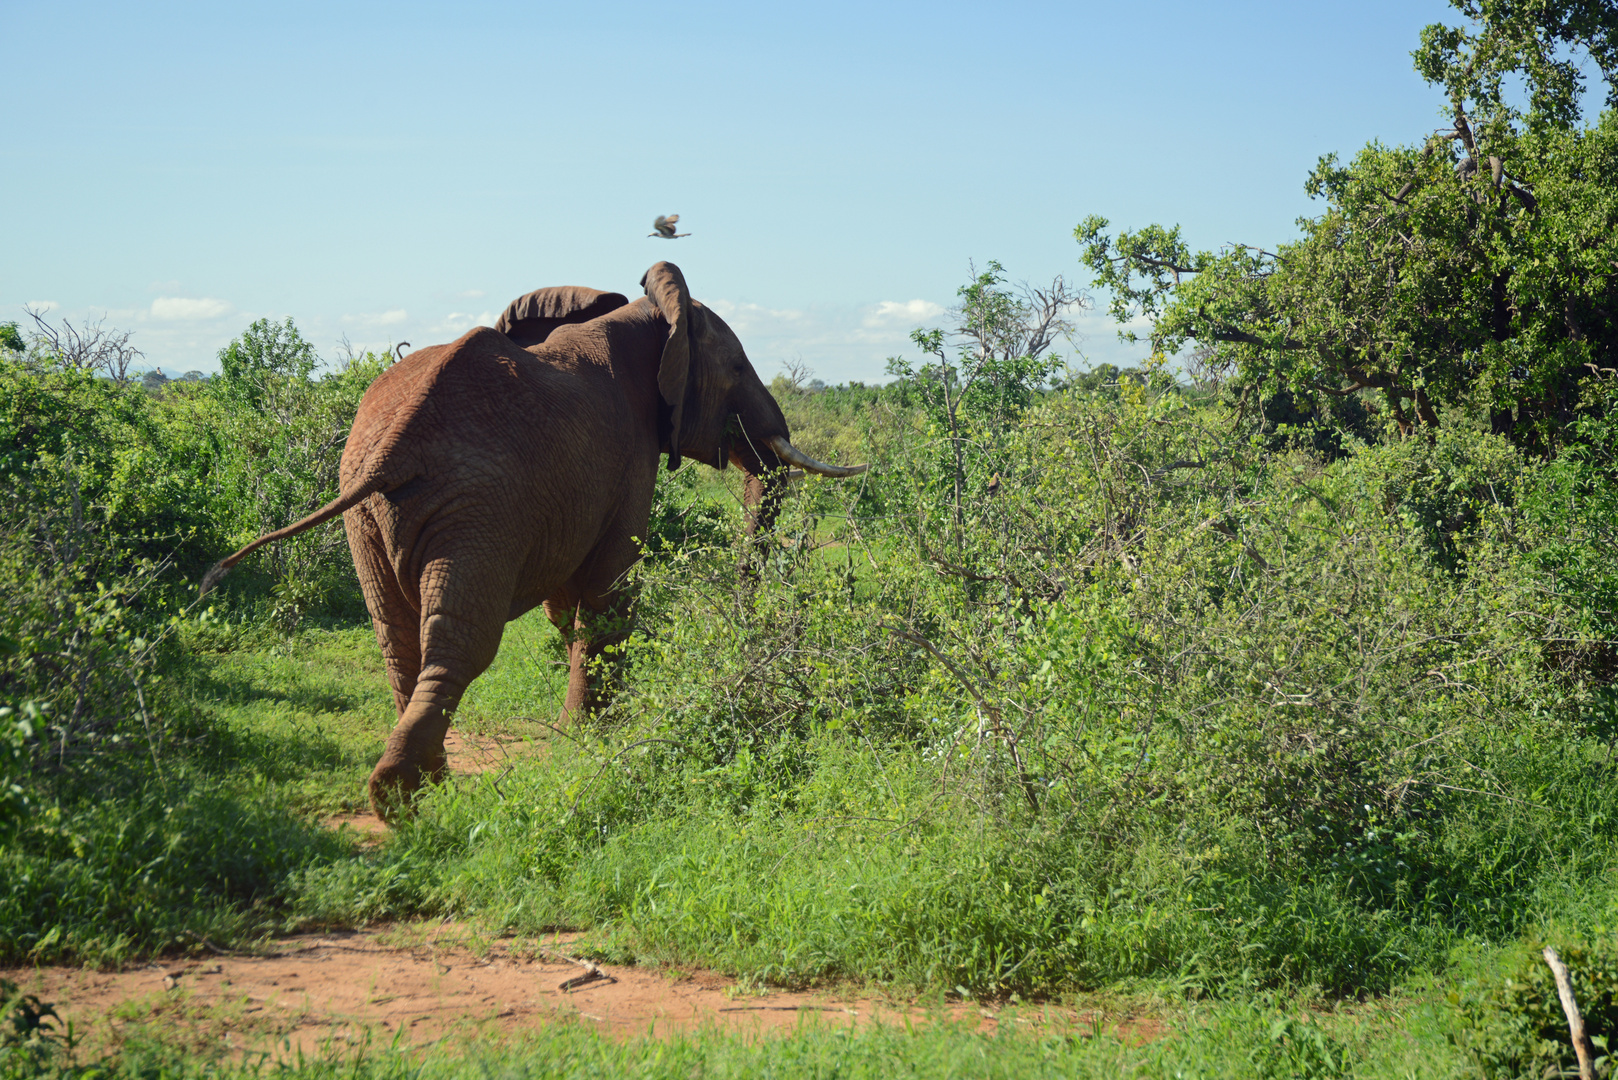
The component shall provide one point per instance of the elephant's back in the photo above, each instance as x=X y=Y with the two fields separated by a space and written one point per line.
x=469 y=407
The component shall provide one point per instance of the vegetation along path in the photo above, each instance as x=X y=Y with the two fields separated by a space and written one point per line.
x=1268 y=688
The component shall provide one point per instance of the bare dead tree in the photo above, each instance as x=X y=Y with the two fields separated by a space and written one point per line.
x=1207 y=368
x=90 y=347
x=1003 y=326
x=1049 y=309
x=347 y=351
x=796 y=372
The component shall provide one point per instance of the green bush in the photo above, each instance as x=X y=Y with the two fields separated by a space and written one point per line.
x=1513 y=1025
x=1571 y=511
x=272 y=436
x=1445 y=487
x=127 y=474
x=80 y=633
x=1176 y=707
x=114 y=842
x=187 y=474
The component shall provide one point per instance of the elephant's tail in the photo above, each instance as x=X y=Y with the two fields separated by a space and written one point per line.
x=325 y=513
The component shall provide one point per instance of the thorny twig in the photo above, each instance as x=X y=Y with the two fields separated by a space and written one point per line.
x=606 y=764
x=993 y=713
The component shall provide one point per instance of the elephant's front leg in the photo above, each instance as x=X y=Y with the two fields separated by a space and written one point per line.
x=594 y=626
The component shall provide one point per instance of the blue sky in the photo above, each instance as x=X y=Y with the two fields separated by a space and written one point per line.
x=401 y=171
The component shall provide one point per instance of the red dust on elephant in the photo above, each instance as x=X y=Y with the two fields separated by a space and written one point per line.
x=515 y=467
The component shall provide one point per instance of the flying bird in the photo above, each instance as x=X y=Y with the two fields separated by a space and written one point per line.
x=665 y=227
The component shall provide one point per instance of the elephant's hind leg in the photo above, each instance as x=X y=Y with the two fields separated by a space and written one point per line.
x=398 y=625
x=463 y=609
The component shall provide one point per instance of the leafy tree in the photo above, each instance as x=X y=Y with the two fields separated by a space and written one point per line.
x=264 y=368
x=1002 y=342
x=1476 y=269
x=1539 y=40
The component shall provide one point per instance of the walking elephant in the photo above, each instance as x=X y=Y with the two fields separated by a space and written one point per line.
x=515 y=467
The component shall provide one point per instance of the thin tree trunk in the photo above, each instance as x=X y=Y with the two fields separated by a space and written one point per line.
x=1575 y=1023
x=950 y=406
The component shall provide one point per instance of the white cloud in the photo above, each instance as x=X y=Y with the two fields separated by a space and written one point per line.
x=837 y=342
x=459 y=322
x=42 y=306
x=840 y=342
x=470 y=294
x=385 y=318
x=744 y=317
x=911 y=312
x=186 y=309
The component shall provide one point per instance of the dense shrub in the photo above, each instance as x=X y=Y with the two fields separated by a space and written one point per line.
x=1511 y=1022
x=113 y=840
x=1570 y=507
x=129 y=476
x=1171 y=705
x=1076 y=686
x=79 y=632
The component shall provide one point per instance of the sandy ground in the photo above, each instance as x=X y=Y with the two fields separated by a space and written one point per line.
x=424 y=983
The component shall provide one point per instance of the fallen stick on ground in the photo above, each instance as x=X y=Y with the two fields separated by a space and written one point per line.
x=591 y=972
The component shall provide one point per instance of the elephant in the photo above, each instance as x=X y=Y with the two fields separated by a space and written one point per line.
x=515 y=467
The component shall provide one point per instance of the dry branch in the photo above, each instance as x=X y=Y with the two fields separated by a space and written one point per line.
x=1575 y=1023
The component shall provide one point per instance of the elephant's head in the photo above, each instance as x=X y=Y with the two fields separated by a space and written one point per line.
x=719 y=409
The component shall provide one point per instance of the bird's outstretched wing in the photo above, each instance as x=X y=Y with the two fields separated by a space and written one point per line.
x=664 y=226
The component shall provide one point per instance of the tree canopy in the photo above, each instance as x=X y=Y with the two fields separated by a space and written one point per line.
x=1476 y=269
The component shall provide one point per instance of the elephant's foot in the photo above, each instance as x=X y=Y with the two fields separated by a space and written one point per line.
x=401 y=774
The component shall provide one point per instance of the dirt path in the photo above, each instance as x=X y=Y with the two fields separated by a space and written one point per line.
x=422 y=984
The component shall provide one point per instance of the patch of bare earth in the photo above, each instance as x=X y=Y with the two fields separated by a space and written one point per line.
x=422 y=985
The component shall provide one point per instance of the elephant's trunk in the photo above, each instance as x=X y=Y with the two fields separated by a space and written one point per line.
x=789 y=453
x=764 y=487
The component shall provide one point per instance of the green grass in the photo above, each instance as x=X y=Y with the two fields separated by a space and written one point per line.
x=528 y=679
x=307 y=716
x=1236 y=1041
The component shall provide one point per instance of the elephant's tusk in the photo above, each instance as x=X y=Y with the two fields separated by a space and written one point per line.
x=791 y=454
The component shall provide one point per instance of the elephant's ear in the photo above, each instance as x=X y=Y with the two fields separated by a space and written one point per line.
x=665 y=286
x=529 y=320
